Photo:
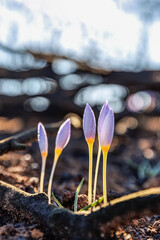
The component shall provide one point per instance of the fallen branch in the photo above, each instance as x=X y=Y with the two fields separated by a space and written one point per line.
x=19 y=141
x=34 y=207
x=65 y=224
x=82 y=65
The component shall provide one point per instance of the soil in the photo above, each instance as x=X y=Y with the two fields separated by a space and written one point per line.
x=138 y=144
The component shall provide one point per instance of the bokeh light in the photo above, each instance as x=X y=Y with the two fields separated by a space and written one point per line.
x=97 y=95
x=38 y=104
x=141 y=101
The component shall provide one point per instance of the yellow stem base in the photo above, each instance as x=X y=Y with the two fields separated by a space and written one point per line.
x=42 y=174
x=90 y=148
x=96 y=172
x=105 y=153
x=51 y=176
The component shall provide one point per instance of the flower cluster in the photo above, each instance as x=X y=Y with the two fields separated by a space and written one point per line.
x=62 y=140
x=105 y=134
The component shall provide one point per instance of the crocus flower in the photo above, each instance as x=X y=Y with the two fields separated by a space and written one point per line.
x=63 y=136
x=103 y=113
x=89 y=128
x=107 y=130
x=62 y=139
x=106 y=136
x=43 y=145
x=89 y=124
x=42 y=139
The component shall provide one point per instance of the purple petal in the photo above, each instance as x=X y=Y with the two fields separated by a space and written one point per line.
x=63 y=134
x=102 y=116
x=89 y=123
x=42 y=139
x=107 y=129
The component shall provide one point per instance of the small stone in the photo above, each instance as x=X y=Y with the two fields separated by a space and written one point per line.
x=27 y=157
x=34 y=165
x=33 y=180
x=128 y=237
x=36 y=233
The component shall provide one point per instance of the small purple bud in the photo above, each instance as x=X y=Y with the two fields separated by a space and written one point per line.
x=42 y=139
x=63 y=135
x=107 y=130
x=89 y=124
x=102 y=115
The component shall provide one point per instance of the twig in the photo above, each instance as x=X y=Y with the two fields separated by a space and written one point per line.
x=81 y=64
x=18 y=141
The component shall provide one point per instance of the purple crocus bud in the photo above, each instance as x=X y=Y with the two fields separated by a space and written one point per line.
x=89 y=124
x=63 y=136
x=106 y=131
x=102 y=115
x=42 y=140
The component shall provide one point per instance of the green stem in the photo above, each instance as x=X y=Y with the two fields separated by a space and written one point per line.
x=76 y=195
x=56 y=200
x=105 y=153
x=96 y=172
x=94 y=204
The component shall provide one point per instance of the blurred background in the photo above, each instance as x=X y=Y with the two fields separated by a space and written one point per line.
x=55 y=56
x=75 y=52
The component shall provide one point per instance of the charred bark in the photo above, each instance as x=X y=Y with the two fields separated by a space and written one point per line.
x=67 y=225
